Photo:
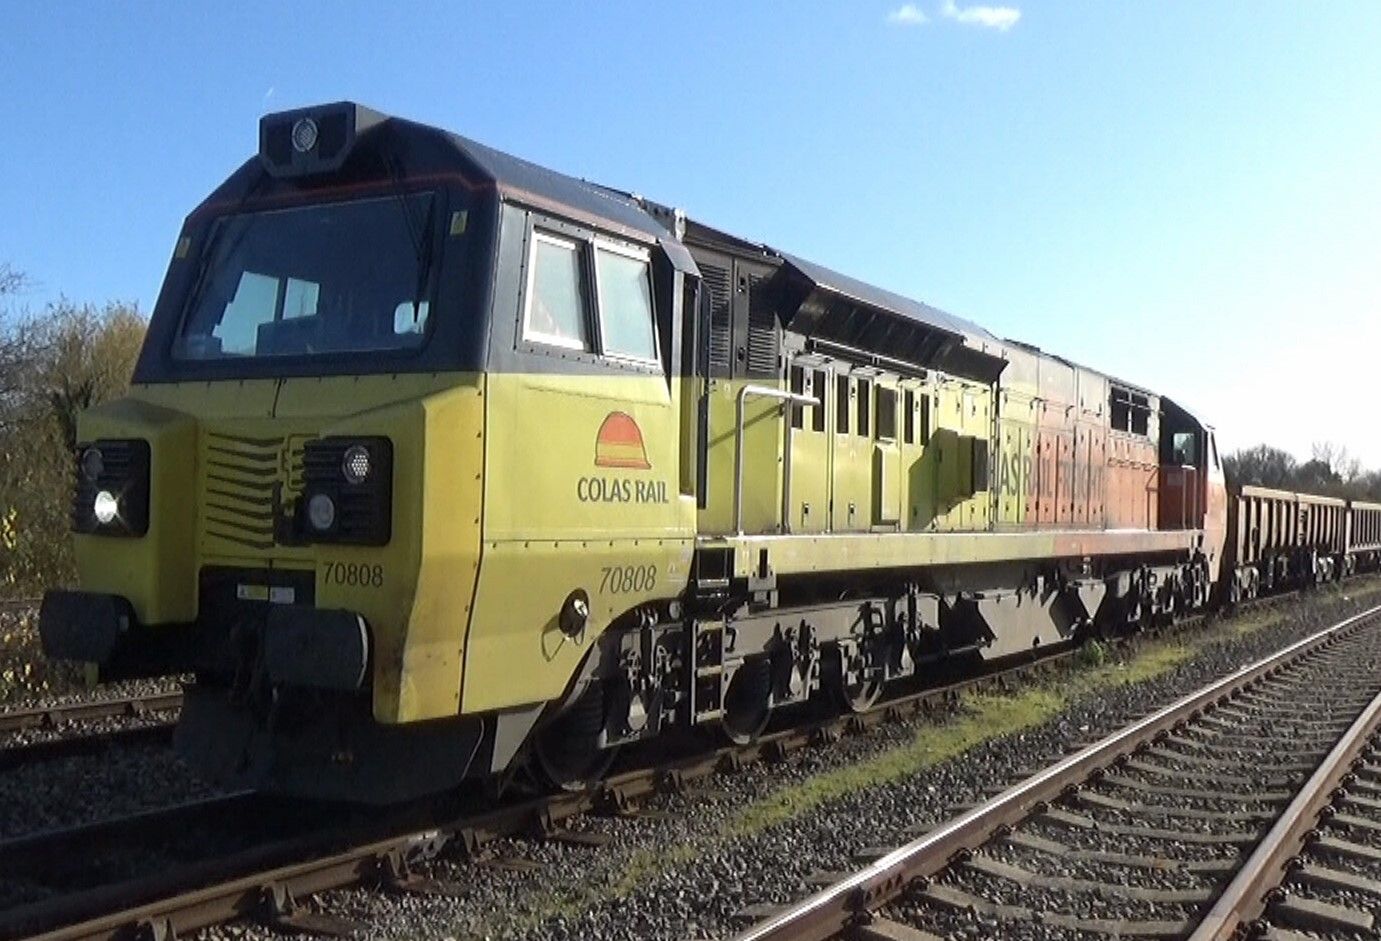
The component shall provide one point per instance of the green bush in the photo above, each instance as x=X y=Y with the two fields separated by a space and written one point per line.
x=53 y=366
x=1093 y=653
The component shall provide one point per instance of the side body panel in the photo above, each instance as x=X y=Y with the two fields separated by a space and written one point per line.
x=582 y=494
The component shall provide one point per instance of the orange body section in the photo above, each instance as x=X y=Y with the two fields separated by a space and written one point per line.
x=1132 y=483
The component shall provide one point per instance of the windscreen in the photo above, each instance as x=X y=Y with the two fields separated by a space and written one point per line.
x=323 y=280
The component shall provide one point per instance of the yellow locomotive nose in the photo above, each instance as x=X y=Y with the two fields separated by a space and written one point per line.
x=326 y=555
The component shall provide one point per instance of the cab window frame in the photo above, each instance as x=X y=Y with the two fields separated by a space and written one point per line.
x=584 y=289
x=166 y=335
x=541 y=226
x=602 y=243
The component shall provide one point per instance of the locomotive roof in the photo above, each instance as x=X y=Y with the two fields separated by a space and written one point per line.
x=428 y=149
x=522 y=178
x=535 y=184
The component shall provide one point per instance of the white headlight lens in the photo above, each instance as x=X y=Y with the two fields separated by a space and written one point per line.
x=106 y=507
x=356 y=464
x=93 y=464
x=321 y=512
x=304 y=135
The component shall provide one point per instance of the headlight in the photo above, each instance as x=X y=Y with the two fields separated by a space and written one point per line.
x=93 y=464
x=347 y=491
x=321 y=512
x=105 y=507
x=355 y=464
x=112 y=492
x=304 y=135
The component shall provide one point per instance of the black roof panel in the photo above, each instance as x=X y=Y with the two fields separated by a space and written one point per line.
x=853 y=289
x=522 y=177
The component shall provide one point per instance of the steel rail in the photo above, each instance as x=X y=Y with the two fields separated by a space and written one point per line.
x=244 y=885
x=47 y=717
x=265 y=880
x=848 y=902
x=1246 y=897
x=15 y=756
x=19 y=853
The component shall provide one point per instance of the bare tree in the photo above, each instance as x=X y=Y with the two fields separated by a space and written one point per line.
x=1336 y=458
x=1261 y=466
x=10 y=280
x=12 y=342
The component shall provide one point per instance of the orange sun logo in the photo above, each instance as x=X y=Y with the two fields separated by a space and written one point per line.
x=620 y=443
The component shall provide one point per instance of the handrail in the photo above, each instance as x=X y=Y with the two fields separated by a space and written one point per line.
x=764 y=392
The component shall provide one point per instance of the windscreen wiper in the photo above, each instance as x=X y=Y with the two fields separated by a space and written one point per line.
x=420 y=236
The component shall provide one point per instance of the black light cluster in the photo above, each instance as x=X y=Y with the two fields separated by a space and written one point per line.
x=312 y=140
x=111 y=497
x=347 y=492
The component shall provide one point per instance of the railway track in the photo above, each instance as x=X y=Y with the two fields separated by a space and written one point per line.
x=71 y=722
x=116 y=707
x=265 y=879
x=19 y=604
x=65 y=728
x=1199 y=821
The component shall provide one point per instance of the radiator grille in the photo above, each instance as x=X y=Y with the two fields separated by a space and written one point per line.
x=243 y=482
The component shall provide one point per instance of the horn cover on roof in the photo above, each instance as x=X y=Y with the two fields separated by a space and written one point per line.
x=312 y=140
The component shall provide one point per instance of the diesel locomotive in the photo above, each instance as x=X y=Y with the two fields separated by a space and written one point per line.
x=438 y=464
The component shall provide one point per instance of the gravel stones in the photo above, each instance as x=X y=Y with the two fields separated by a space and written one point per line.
x=69 y=791
x=685 y=871
x=688 y=872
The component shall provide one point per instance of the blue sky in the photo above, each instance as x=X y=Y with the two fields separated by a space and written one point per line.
x=1187 y=194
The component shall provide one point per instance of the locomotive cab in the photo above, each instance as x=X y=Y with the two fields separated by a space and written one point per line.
x=1192 y=490
x=321 y=493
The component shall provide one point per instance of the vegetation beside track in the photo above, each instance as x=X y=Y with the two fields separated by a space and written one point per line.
x=53 y=364
x=25 y=674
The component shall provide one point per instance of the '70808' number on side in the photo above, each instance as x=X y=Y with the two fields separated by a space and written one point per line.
x=626 y=579
x=361 y=574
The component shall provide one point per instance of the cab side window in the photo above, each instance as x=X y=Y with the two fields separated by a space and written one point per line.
x=1184 y=450
x=625 y=302
x=557 y=310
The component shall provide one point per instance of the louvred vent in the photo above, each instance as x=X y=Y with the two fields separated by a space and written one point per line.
x=762 y=330
x=721 y=332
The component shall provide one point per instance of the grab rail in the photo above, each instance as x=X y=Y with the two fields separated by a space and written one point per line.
x=764 y=392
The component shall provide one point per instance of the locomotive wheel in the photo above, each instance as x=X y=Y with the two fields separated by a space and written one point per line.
x=748 y=701
x=567 y=751
x=852 y=697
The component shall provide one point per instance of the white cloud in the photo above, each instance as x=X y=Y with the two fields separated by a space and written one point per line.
x=1000 y=18
x=908 y=14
